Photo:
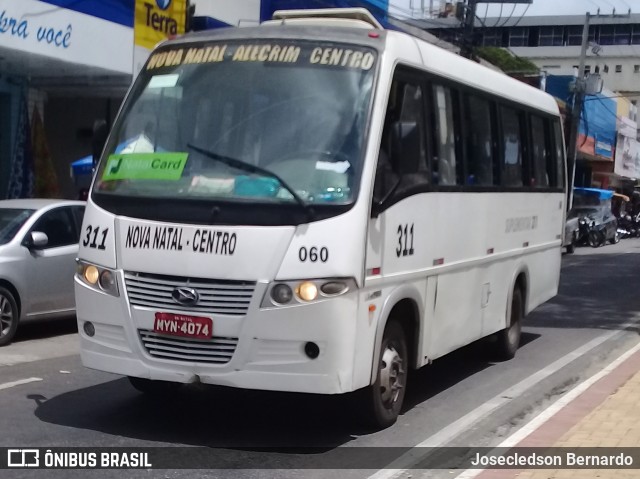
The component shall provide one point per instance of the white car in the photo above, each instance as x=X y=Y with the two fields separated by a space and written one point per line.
x=38 y=249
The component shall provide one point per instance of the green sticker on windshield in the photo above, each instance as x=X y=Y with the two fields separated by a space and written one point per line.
x=145 y=166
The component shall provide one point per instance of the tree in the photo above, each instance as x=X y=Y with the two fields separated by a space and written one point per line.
x=507 y=61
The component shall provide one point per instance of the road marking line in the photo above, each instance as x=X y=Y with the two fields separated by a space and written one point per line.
x=553 y=409
x=19 y=382
x=409 y=459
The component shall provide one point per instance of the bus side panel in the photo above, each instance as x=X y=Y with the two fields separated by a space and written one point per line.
x=472 y=246
x=456 y=314
x=544 y=274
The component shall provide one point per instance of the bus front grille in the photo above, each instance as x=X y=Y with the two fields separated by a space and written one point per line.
x=215 y=296
x=213 y=351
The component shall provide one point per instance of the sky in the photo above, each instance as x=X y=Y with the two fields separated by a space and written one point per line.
x=561 y=7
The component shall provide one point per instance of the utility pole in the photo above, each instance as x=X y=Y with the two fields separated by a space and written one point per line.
x=468 y=22
x=466 y=49
x=576 y=110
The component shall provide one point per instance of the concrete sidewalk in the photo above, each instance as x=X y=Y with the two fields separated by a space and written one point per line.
x=607 y=414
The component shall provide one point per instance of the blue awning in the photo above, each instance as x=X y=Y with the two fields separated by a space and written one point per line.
x=83 y=166
x=596 y=192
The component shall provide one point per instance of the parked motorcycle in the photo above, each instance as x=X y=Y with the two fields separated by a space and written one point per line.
x=635 y=225
x=597 y=224
x=629 y=226
x=626 y=227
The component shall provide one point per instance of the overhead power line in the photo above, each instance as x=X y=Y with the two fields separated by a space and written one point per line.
x=510 y=15
x=522 y=16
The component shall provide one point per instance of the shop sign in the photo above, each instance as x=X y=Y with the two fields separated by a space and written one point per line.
x=627 y=127
x=14 y=24
x=627 y=157
x=157 y=20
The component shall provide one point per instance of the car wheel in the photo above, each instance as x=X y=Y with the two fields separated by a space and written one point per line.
x=508 y=340
x=8 y=316
x=153 y=388
x=616 y=238
x=379 y=404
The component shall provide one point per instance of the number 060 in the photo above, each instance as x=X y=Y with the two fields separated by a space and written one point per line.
x=313 y=254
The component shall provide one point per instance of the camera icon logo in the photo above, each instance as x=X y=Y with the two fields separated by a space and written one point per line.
x=23 y=458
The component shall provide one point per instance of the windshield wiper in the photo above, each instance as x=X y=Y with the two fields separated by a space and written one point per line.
x=243 y=165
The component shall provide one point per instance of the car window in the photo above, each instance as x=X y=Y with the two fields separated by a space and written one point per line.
x=78 y=215
x=11 y=220
x=58 y=225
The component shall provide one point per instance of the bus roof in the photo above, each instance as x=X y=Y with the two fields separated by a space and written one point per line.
x=435 y=59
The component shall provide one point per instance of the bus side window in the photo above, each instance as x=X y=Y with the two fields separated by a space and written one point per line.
x=540 y=152
x=402 y=160
x=511 y=147
x=444 y=164
x=559 y=155
x=479 y=142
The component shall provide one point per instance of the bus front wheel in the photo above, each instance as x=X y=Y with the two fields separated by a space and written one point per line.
x=383 y=399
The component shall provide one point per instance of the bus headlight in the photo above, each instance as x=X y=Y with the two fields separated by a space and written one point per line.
x=91 y=274
x=98 y=278
x=307 y=291
x=281 y=293
x=334 y=288
x=292 y=293
x=108 y=282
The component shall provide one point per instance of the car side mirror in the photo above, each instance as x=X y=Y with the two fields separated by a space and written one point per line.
x=99 y=139
x=36 y=240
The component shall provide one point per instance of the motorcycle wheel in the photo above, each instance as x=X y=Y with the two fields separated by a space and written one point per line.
x=595 y=239
x=616 y=238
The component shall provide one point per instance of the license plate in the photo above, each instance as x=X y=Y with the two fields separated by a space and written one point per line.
x=182 y=325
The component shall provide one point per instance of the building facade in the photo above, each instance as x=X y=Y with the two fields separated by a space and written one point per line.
x=62 y=65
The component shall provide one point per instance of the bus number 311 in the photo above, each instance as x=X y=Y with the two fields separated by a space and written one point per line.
x=405 y=240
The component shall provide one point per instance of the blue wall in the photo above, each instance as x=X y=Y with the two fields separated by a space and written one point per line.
x=599 y=117
x=116 y=11
x=378 y=8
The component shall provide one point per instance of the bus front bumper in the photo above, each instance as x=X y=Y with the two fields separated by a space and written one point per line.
x=269 y=355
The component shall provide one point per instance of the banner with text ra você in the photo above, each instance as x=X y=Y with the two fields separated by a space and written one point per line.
x=155 y=20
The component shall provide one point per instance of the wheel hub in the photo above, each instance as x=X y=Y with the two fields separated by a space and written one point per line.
x=391 y=375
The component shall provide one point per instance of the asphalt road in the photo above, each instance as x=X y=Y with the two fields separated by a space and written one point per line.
x=464 y=399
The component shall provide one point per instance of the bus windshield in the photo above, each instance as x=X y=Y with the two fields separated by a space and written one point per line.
x=262 y=123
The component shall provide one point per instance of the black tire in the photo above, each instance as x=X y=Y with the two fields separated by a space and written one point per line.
x=595 y=239
x=153 y=388
x=571 y=247
x=9 y=316
x=379 y=406
x=508 y=340
x=616 y=238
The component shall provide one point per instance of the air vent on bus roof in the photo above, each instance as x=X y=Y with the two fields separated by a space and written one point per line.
x=354 y=17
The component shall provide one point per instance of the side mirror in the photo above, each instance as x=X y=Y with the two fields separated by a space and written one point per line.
x=36 y=240
x=99 y=139
x=380 y=205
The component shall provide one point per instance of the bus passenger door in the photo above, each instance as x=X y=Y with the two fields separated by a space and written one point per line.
x=399 y=230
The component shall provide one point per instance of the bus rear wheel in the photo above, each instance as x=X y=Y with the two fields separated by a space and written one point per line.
x=508 y=340
x=383 y=399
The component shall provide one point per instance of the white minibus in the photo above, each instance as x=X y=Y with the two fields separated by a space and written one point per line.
x=317 y=205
